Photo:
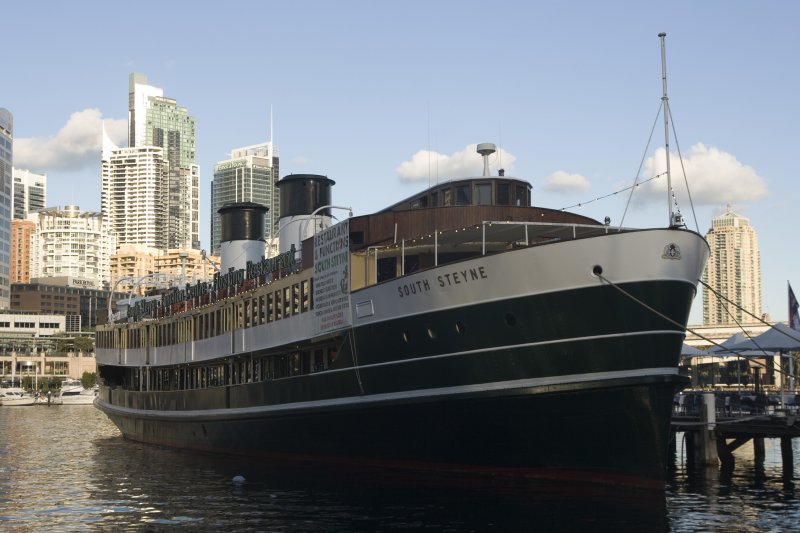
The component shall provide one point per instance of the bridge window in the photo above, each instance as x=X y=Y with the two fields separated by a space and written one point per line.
x=483 y=194
x=522 y=197
x=463 y=195
x=503 y=194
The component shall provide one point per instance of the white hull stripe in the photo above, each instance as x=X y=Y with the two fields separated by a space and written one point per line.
x=247 y=412
x=506 y=347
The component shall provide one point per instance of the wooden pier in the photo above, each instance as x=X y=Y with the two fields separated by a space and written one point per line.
x=717 y=423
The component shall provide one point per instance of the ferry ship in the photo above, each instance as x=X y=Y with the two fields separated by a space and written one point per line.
x=461 y=329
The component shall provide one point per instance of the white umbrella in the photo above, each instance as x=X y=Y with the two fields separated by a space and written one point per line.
x=778 y=337
x=691 y=351
x=725 y=346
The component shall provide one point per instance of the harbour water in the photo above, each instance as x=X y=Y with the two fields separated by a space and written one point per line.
x=66 y=468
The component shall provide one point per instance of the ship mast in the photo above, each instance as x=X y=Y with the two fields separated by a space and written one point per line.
x=673 y=220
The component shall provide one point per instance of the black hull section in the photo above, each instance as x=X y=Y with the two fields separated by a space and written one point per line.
x=609 y=433
x=576 y=384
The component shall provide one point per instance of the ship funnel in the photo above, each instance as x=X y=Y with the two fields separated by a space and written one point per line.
x=305 y=201
x=242 y=235
x=486 y=149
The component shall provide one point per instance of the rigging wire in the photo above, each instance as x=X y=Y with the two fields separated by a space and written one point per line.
x=641 y=163
x=636 y=181
x=581 y=204
x=761 y=320
x=681 y=326
x=683 y=170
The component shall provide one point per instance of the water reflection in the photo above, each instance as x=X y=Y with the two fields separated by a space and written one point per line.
x=756 y=494
x=165 y=487
x=66 y=468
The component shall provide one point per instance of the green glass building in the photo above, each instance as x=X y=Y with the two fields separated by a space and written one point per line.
x=250 y=175
x=155 y=120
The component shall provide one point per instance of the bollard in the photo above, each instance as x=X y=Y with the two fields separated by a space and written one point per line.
x=707 y=449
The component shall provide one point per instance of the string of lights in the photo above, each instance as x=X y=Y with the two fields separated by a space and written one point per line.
x=581 y=204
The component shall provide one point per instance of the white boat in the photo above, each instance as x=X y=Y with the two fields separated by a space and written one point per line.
x=13 y=396
x=73 y=393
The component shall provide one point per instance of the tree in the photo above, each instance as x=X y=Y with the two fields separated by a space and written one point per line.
x=84 y=344
x=79 y=344
x=89 y=379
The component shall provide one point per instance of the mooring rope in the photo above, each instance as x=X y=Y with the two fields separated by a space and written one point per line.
x=681 y=326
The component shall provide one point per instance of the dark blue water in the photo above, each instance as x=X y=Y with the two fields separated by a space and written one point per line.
x=66 y=468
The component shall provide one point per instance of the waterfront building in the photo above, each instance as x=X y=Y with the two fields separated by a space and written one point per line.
x=21 y=235
x=733 y=271
x=133 y=196
x=30 y=193
x=6 y=181
x=29 y=346
x=155 y=120
x=82 y=303
x=71 y=242
x=250 y=175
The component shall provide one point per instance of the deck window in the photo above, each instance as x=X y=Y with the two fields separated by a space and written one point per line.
x=446 y=195
x=483 y=193
x=521 y=197
x=503 y=194
x=463 y=195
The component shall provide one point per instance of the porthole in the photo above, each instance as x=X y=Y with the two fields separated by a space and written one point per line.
x=511 y=320
x=597 y=270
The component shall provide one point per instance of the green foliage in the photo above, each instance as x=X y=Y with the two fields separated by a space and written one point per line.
x=89 y=379
x=74 y=344
x=84 y=344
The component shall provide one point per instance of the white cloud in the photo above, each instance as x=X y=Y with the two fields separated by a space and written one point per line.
x=715 y=177
x=564 y=182
x=76 y=146
x=466 y=163
x=301 y=161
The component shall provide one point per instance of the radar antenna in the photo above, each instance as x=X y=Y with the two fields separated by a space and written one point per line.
x=486 y=149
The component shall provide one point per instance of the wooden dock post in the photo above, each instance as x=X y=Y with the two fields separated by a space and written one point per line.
x=787 y=455
x=707 y=445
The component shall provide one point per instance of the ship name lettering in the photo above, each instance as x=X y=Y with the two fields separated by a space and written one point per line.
x=462 y=276
x=408 y=289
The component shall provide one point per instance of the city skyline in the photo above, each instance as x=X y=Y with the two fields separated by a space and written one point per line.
x=387 y=99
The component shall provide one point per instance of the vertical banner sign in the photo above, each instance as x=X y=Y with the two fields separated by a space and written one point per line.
x=332 y=278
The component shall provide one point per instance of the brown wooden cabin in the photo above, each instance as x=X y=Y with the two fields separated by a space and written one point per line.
x=447 y=208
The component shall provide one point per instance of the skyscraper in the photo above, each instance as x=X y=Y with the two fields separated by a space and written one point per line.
x=733 y=271
x=154 y=120
x=133 y=194
x=30 y=193
x=6 y=181
x=250 y=175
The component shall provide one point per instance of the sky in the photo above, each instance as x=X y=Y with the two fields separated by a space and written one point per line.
x=387 y=98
